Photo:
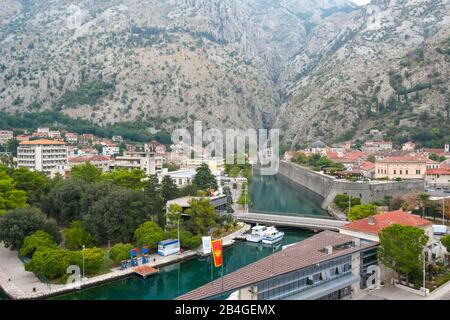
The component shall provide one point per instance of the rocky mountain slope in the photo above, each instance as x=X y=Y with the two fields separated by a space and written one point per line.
x=316 y=69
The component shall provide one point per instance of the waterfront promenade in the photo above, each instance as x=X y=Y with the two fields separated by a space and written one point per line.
x=20 y=284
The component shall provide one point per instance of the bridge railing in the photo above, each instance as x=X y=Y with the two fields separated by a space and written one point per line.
x=293 y=214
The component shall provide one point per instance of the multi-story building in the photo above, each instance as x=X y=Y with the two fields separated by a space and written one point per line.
x=404 y=167
x=100 y=162
x=148 y=162
x=42 y=155
x=326 y=266
x=5 y=136
x=213 y=163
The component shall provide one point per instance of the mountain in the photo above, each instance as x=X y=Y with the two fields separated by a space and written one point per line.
x=316 y=69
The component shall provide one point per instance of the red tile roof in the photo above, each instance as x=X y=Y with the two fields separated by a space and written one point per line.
x=367 y=166
x=409 y=159
x=41 y=142
x=86 y=159
x=376 y=223
x=300 y=255
x=443 y=171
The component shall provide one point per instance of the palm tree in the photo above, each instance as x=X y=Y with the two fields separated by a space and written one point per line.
x=423 y=199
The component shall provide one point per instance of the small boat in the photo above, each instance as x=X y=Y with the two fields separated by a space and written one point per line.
x=273 y=236
x=257 y=234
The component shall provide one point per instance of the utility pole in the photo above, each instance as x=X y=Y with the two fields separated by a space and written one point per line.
x=83 y=259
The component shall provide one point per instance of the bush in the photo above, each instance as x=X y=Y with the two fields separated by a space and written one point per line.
x=76 y=236
x=120 y=251
x=35 y=241
x=341 y=201
x=93 y=259
x=149 y=234
x=51 y=262
x=362 y=211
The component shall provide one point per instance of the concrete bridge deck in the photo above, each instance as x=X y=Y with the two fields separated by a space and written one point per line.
x=291 y=221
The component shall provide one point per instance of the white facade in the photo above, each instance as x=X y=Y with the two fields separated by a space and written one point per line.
x=5 y=136
x=42 y=155
x=110 y=151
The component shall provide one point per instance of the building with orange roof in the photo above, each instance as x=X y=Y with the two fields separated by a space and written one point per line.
x=100 y=162
x=42 y=155
x=369 y=228
x=404 y=167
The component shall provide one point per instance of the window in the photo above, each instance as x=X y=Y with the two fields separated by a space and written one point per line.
x=417 y=171
x=395 y=171
x=406 y=172
x=400 y=171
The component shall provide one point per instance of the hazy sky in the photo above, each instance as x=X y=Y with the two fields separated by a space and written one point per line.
x=361 y=2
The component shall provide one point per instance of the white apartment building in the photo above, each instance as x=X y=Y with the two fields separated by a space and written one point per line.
x=145 y=161
x=5 y=136
x=42 y=155
x=110 y=151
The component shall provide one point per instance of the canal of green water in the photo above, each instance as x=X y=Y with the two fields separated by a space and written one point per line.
x=271 y=194
x=277 y=195
x=177 y=279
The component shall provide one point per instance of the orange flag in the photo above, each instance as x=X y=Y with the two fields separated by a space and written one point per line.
x=216 y=246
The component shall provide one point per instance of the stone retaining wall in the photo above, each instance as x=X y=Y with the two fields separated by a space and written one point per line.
x=328 y=187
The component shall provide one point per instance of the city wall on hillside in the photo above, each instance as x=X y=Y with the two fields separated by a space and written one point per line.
x=328 y=187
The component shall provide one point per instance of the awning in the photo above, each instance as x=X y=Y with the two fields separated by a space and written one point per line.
x=325 y=289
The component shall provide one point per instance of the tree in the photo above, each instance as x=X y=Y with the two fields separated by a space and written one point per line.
x=244 y=198
x=342 y=201
x=362 y=211
x=22 y=222
x=227 y=192
x=34 y=183
x=201 y=215
x=423 y=199
x=10 y=197
x=130 y=179
x=120 y=252
x=401 y=248
x=174 y=215
x=93 y=259
x=116 y=215
x=64 y=201
x=155 y=201
x=371 y=158
x=149 y=234
x=169 y=189
x=446 y=242
x=77 y=236
x=34 y=241
x=86 y=172
x=204 y=179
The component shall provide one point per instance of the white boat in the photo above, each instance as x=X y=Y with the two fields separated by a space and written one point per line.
x=257 y=234
x=273 y=236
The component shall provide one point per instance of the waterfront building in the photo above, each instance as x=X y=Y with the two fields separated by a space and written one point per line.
x=326 y=266
x=404 y=167
x=219 y=202
x=318 y=147
x=5 y=136
x=42 y=155
x=23 y=137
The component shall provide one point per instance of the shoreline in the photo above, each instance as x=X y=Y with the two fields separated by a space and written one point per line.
x=13 y=292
